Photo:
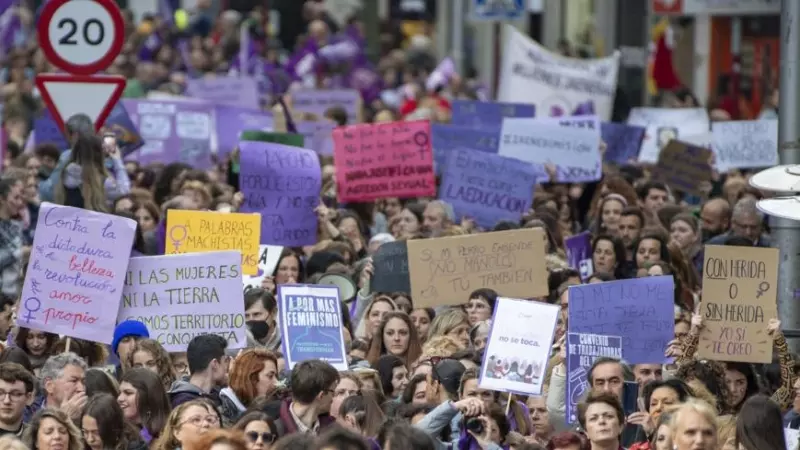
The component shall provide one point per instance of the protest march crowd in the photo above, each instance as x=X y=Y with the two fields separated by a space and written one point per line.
x=320 y=252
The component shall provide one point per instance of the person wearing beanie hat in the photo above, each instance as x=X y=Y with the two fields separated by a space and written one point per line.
x=125 y=336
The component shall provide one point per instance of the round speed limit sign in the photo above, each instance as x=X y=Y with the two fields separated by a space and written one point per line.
x=81 y=36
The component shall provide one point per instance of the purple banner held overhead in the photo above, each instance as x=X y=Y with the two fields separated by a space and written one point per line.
x=579 y=253
x=488 y=114
x=622 y=142
x=639 y=310
x=232 y=120
x=487 y=187
x=281 y=183
x=318 y=101
x=233 y=91
x=173 y=131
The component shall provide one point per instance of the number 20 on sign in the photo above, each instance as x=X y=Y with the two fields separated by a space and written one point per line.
x=81 y=37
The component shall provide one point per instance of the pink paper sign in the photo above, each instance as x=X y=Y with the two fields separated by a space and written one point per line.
x=376 y=161
x=78 y=264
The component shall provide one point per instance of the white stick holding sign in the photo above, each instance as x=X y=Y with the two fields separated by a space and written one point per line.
x=745 y=144
x=268 y=257
x=519 y=346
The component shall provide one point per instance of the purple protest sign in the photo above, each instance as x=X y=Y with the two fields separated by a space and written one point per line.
x=76 y=272
x=317 y=135
x=318 y=101
x=639 y=310
x=46 y=130
x=164 y=291
x=281 y=183
x=233 y=91
x=173 y=131
x=622 y=142
x=487 y=187
x=488 y=114
x=311 y=326
x=579 y=253
x=232 y=120
x=582 y=351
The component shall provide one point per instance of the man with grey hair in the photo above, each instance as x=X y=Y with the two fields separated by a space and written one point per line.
x=62 y=379
x=747 y=224
x=438 y=215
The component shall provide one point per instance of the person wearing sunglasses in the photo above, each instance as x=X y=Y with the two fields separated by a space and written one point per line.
x=259 y=430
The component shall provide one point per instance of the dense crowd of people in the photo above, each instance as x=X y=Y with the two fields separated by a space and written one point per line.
x=414 y=375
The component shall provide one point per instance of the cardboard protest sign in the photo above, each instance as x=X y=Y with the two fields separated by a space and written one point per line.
x=282 y=185
x=639 y=310
x=311 y=324
x=179 y=297
x=582 y=351
x=319 y=101
x=473 y=114
x=745 y=144
x=665 y=124
x=571 y=144
x=486 y=187
x=384 y=160
x=444 y=271
x=173 y=131
x=447 y=137
x=516 y=353
x=390 y=268
x=556 y=85
x=238 y=91
x=291 y=139
x=740 y=295
x=684 y=167
x=206 y=231
x=76 y=271
x=269 y=256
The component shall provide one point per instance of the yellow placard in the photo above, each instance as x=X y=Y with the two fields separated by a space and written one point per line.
x=206 y=231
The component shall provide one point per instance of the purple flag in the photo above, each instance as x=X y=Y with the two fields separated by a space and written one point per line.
x=232 y=120
x=639 y=310
x=579 y=253
x=366 y=80
x=488 y=114
x=303 y=62
x=46 y=130
x=173 y=131
x=487 y=187
x=10 y=25
x=128 y=137
x=622 y=142
x=281 y=183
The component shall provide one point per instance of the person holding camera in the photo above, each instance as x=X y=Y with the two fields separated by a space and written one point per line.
x=485 y=432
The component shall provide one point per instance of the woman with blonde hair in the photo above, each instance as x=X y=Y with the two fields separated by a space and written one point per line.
x=694 y=426
x=453 y=323
x=189 y=419
x=50 y=429
x=371 y=382
x=369 y=322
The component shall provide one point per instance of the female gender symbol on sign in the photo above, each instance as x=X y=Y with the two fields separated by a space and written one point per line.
x=81 y=37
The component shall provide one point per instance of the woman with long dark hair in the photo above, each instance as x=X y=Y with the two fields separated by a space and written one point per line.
x=85 y=182
x=144 y=401
x=759 y=425
x=103 y=426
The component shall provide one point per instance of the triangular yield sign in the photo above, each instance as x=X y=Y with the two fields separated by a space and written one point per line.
x=67 y=95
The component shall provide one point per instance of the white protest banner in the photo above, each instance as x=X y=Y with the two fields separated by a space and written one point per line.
x=572 y=146
x=517 y=353
x=268 y=257
x=664 y=125
x=181 y=296
x=745 y=144
x=75 y=273
x=557 y=85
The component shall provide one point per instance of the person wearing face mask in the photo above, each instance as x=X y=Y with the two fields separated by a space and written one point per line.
x=260 y=313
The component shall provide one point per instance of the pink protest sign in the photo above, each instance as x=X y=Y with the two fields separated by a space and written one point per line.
x=376 y=161
x=77 y=267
